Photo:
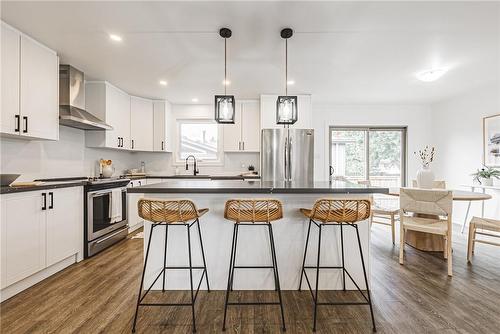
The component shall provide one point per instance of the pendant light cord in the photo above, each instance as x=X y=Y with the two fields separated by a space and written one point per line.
x=286 y=67
x=225 y=66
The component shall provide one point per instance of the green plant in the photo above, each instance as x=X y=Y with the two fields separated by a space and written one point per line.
x=486 y=173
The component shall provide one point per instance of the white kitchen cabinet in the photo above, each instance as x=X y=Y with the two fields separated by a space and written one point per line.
x=111 y=105
x=10 y=42
x=23 y=229
x=39 y=229
x=64 y=223
x=30 y=87
x=141 y=124
x=162 y=126
x=39 y=103
x=268 y=112
x=134 y=221
x=244 y=134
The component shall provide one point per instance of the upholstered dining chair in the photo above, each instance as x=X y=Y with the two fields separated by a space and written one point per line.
x=427 y=211
x=385 y=210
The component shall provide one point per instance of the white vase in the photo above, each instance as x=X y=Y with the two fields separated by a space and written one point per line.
x=486 y=182
x=425 y=178
x=107 y=171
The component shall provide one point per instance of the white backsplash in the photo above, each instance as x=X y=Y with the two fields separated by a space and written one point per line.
x=69 y=157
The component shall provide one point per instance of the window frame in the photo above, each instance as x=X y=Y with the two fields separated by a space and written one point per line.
x=220 y=142
x=404 y=142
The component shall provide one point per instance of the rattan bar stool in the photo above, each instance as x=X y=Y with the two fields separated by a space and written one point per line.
x=169 y=213
x=333 y=212
x=253 y=212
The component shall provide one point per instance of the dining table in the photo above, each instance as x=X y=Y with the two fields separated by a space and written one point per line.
x=433 y=242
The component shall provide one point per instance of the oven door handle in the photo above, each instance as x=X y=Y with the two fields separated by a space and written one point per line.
x=109 y=236
x=103 y=192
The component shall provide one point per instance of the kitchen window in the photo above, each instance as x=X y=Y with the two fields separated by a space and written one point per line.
x=200 y=138
x=377 y=154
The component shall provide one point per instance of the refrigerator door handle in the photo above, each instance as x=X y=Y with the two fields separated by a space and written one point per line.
x=286 y=159
x=290 y=159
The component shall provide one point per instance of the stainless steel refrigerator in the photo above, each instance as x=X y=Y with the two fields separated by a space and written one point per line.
x=287 y=155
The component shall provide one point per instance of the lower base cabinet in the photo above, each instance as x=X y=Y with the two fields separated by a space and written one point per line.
x=39 y=229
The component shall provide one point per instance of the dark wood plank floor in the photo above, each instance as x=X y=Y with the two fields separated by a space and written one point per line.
x=98 y=296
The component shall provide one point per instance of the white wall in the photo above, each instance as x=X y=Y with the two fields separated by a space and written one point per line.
x=458 y=131
x=416 y=118
x=69 y=157
x=64 y=158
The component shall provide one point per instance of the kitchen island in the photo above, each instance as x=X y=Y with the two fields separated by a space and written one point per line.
x=289 y=233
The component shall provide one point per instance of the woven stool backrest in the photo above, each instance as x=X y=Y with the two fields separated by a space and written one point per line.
x=253 y=210
x=340 y=210
x=167 y=211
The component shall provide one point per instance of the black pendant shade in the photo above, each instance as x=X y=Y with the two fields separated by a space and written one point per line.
x=225 y=104
x=286 y=106
x=224 y=109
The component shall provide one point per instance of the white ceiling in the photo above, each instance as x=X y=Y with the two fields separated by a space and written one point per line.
x=342 y=52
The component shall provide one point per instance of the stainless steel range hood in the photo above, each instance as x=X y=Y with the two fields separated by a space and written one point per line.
x=72 y=101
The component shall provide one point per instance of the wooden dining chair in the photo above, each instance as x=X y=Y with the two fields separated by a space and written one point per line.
x=427 y=211
x=486 y=227
x=385 y=210
x=435 y=184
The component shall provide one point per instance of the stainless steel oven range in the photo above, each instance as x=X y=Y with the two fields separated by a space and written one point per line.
x=101 y=231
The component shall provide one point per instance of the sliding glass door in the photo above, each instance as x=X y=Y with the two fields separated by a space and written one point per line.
x=375 y=154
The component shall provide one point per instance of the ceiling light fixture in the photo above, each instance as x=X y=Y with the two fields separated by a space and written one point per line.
x=115 y=38
x=226 y=82
x=224 y=104
x=431 y=75
x=163 y=82
x=194 y=99
x=286 y=106
x=290 y=82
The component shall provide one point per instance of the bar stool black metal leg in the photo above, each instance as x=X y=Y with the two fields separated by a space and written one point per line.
x=191 y=277
x=305 y=253
x=142 y=278
x=342 y=247
x=276 y=276
x=317 y=280
x=203 y=253
x=366 y=279
x=165 y=258
x=234 y=256
x=229 y=278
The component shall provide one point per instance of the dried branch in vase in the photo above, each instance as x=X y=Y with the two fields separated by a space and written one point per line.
x=426 y=155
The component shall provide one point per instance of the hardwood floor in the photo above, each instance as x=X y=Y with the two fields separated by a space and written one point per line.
x=98 y=296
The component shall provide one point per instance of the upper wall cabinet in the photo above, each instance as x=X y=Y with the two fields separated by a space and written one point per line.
x=244 y=134
x=112 y=105
x=268 y=112
x=141 y=124
x=30 y=87
x=162 y=126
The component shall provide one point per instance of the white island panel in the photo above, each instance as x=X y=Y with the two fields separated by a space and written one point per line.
x=253 y=246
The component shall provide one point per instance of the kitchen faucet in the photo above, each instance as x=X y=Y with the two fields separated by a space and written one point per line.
x=195 y=171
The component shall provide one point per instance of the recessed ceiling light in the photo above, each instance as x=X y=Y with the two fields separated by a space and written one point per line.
x=194 y=99
x=431 y=75
x=226 y=82
x=290 y=82
x=163 y=82
x=115 y=38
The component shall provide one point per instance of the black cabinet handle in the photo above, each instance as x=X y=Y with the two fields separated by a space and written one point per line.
x=162 y=145
x=331 y=171
x=18 y=123
x=25 y=119
x=44 y=206
x=132 y=143
x=51 y=196
x=119 y=141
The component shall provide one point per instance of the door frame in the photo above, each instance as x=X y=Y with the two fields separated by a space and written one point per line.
x=404 y=143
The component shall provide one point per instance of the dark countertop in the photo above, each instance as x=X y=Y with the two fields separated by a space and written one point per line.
x=255 y=187
x=197 y=177
x=44 y=186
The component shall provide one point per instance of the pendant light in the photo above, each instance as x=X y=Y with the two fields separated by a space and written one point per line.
x=224 y=104
x=286 y=106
